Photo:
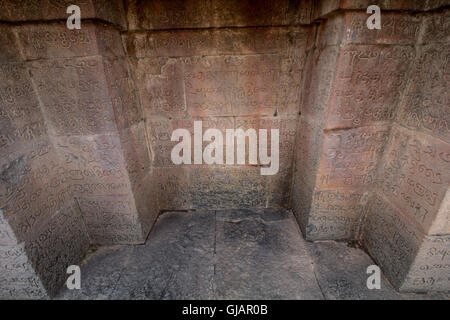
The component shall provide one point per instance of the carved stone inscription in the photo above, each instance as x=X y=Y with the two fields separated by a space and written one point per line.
x=75 y=95
x=426 y=105
x=21 y=120
x=350 y=157
x=416 y=175
x=369 y=82
x=232 y=85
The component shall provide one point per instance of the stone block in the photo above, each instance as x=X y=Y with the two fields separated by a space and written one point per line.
x=425 y=105
x=430 y=269
x=55 y=40
x=74 y=95
x=324 y=8
x=136 y=154
x=18 y=280
x=161 y=93
x=31 y=188
x=415 y=177
x=147 y=203
x=9 y=46
x=292 y=41
x=60 y=241
x=21 y=120
x=368 y=85
x=308 y=147
x=173 y=188
x=319 y=76
x=33 y=10
x=413 y=262
x=335 y=214
x=232 y=85
x=122 y=92
x=94 y=165
x=349 y=157
x=227 y=187
x=391 y=240
x=111 y=219
x=350 y=27
x=158 y=14
x=436 y=27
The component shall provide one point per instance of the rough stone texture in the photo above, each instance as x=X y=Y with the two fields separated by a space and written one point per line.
x=323 y=8
x=412 y=261
x=415 y=178
x=407 y=223
x=232 y=254
x=86 y=118
x=18 y=279
x=35 y=10
x=178 y=14
x=72 y=137
x=228 y=79
x=341 y=273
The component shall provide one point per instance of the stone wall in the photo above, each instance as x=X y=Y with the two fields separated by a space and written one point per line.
x=373 y=161
x=86 y=118
x=408 y=220
x=75 y=164
x=228 y=78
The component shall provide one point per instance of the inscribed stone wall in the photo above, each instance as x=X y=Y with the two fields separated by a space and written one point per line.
x=86 y=118
x=38 y=219
x=228 y=78
x=75 y=166
x=413 y=190
x=353 y=87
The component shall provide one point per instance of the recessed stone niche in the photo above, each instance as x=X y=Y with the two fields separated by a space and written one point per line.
x=86 y=118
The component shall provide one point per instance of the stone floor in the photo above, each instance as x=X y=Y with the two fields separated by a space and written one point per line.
x=238 y=254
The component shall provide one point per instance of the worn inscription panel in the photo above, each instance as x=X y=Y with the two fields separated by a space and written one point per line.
x=94 y=164
x=18 y=279
x=278 y=185
x=162 y=92
x=396 y=28
x=431 y=268
x=56 y=40
x=416 y=174
x=111 y=219
x=413 y=261
x=21 y=121
x=350 y=157
x=160 y=141
x=136 y=153
x=177 y=14
x=436 y=27
x=351 y=28
x=232 y=85
x=319 y=77
x=390 y=239
x=34 y=10
x=227 y=188
x=335 y=214
x=9 y=46
x=122 y=92
x=211 y=85
x=369 y=82
x=31 y=187
x=187 y=43
x=160 y=132
x=75 y=95
x=426 y=106
x=61 y=241
x=173 y=188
